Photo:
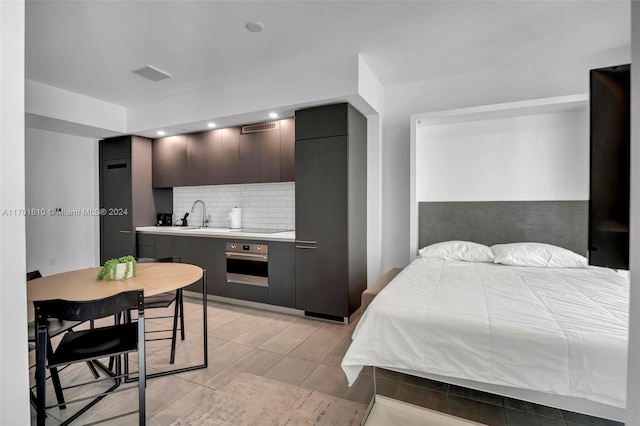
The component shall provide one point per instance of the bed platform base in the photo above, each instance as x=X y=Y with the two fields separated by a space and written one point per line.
x=577 y=405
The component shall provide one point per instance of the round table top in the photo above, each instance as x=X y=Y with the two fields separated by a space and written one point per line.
x=153 y=278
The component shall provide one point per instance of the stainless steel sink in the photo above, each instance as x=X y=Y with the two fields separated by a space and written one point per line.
x=210 y=230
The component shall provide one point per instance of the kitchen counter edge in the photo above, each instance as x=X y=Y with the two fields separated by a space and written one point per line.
x=287 y=236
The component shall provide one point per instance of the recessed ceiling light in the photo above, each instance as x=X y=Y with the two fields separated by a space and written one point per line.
x=211 y=124
x=254 y=26
x=273 y=115
x=161 y=133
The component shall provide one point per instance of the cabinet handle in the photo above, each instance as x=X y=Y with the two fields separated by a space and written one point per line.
x=124 y=232
x=305 y=247
x=117 y=166
x=305 y=242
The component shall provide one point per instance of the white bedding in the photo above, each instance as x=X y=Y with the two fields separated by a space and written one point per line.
x=562 y=331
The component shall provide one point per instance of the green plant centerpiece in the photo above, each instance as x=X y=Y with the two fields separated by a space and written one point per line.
x=120 y=268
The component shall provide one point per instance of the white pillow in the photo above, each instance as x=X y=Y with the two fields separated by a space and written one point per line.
x=458 y=250
x=537 y=254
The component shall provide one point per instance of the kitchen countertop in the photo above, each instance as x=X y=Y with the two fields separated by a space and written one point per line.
x=218 y=233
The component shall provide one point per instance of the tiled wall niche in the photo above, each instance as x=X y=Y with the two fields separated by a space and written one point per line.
x=264 y=205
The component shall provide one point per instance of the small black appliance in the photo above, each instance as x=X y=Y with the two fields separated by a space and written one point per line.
x=164 y=219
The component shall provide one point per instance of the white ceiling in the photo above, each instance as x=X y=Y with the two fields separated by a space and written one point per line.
x=92 y=47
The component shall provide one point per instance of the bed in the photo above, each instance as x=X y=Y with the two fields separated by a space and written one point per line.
x=550 y=335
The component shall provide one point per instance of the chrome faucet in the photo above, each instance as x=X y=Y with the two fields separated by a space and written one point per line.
x=205 y=220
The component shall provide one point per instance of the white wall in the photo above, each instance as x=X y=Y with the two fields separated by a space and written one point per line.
x=61 y=172
x=14 y=382
x=529 y=157
x=517 y=83
x=59 y=104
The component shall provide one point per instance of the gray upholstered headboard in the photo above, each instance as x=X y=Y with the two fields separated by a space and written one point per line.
x=561 y=223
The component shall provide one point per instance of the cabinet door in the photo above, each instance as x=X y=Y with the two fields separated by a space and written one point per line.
x=321 y=190
x=163 y=246
x=323 y=121
x=196 y=158
x=230 y=156
x=170 y=162
x=270 y=156
x=213 y=171
x=321 y=226
x=260 y=157
x=322 y=280
x=117 y=233
x=115 y=148
x=287 y=150
x=207 y=253
x=282 y=273
x=250 y=157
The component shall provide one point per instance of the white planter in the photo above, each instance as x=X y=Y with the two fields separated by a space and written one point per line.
x=120 y=270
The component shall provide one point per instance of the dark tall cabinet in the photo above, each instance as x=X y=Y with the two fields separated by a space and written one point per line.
x=610 y=128
x=126 y=197
x=331 y=217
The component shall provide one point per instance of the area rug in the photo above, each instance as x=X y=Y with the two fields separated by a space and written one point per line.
x=250 y=400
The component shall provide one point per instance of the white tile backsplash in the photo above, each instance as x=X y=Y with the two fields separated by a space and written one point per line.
x=264 y=205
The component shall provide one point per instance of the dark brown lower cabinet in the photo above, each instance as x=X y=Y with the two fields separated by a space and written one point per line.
x=322 y=279
x=209 y=253
x=282 y=274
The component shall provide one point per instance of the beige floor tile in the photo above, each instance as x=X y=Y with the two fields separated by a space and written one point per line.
x=328 y=380
x=292 y=336
x=264 y=331
x=186 y=404
x=218 y=317
x=219 y=359
x=334 y=357
x=291 y=370
x=255 y=362
x=157 y=399
x=317 y=346
x=236 y=327
x=188 y=353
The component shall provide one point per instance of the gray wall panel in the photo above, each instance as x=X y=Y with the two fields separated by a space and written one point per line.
x=561 y=223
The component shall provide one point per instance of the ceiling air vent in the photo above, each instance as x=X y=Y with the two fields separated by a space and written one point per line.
x=152 y=73
x=264 y=127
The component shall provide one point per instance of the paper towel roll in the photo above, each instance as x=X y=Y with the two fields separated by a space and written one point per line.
x=235 y=215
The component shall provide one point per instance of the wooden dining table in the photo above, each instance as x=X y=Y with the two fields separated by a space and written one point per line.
x=153 y=278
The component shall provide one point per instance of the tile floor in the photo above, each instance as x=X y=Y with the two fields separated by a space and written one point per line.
x=292 y=349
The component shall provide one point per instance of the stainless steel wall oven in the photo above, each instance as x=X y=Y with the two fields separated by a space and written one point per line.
x=248 y=264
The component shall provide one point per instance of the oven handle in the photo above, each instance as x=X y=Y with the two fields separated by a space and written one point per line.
x=248 y=256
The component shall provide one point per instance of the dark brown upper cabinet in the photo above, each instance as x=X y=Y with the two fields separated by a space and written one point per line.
x=170 y=161
x=260 y=157
x=287 y=150
x=225 y=156
x=222 y=156
x=196 y=160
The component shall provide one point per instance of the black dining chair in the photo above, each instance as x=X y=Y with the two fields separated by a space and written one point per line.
x=163 y=301
x=56 y=327
x=91 y=345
